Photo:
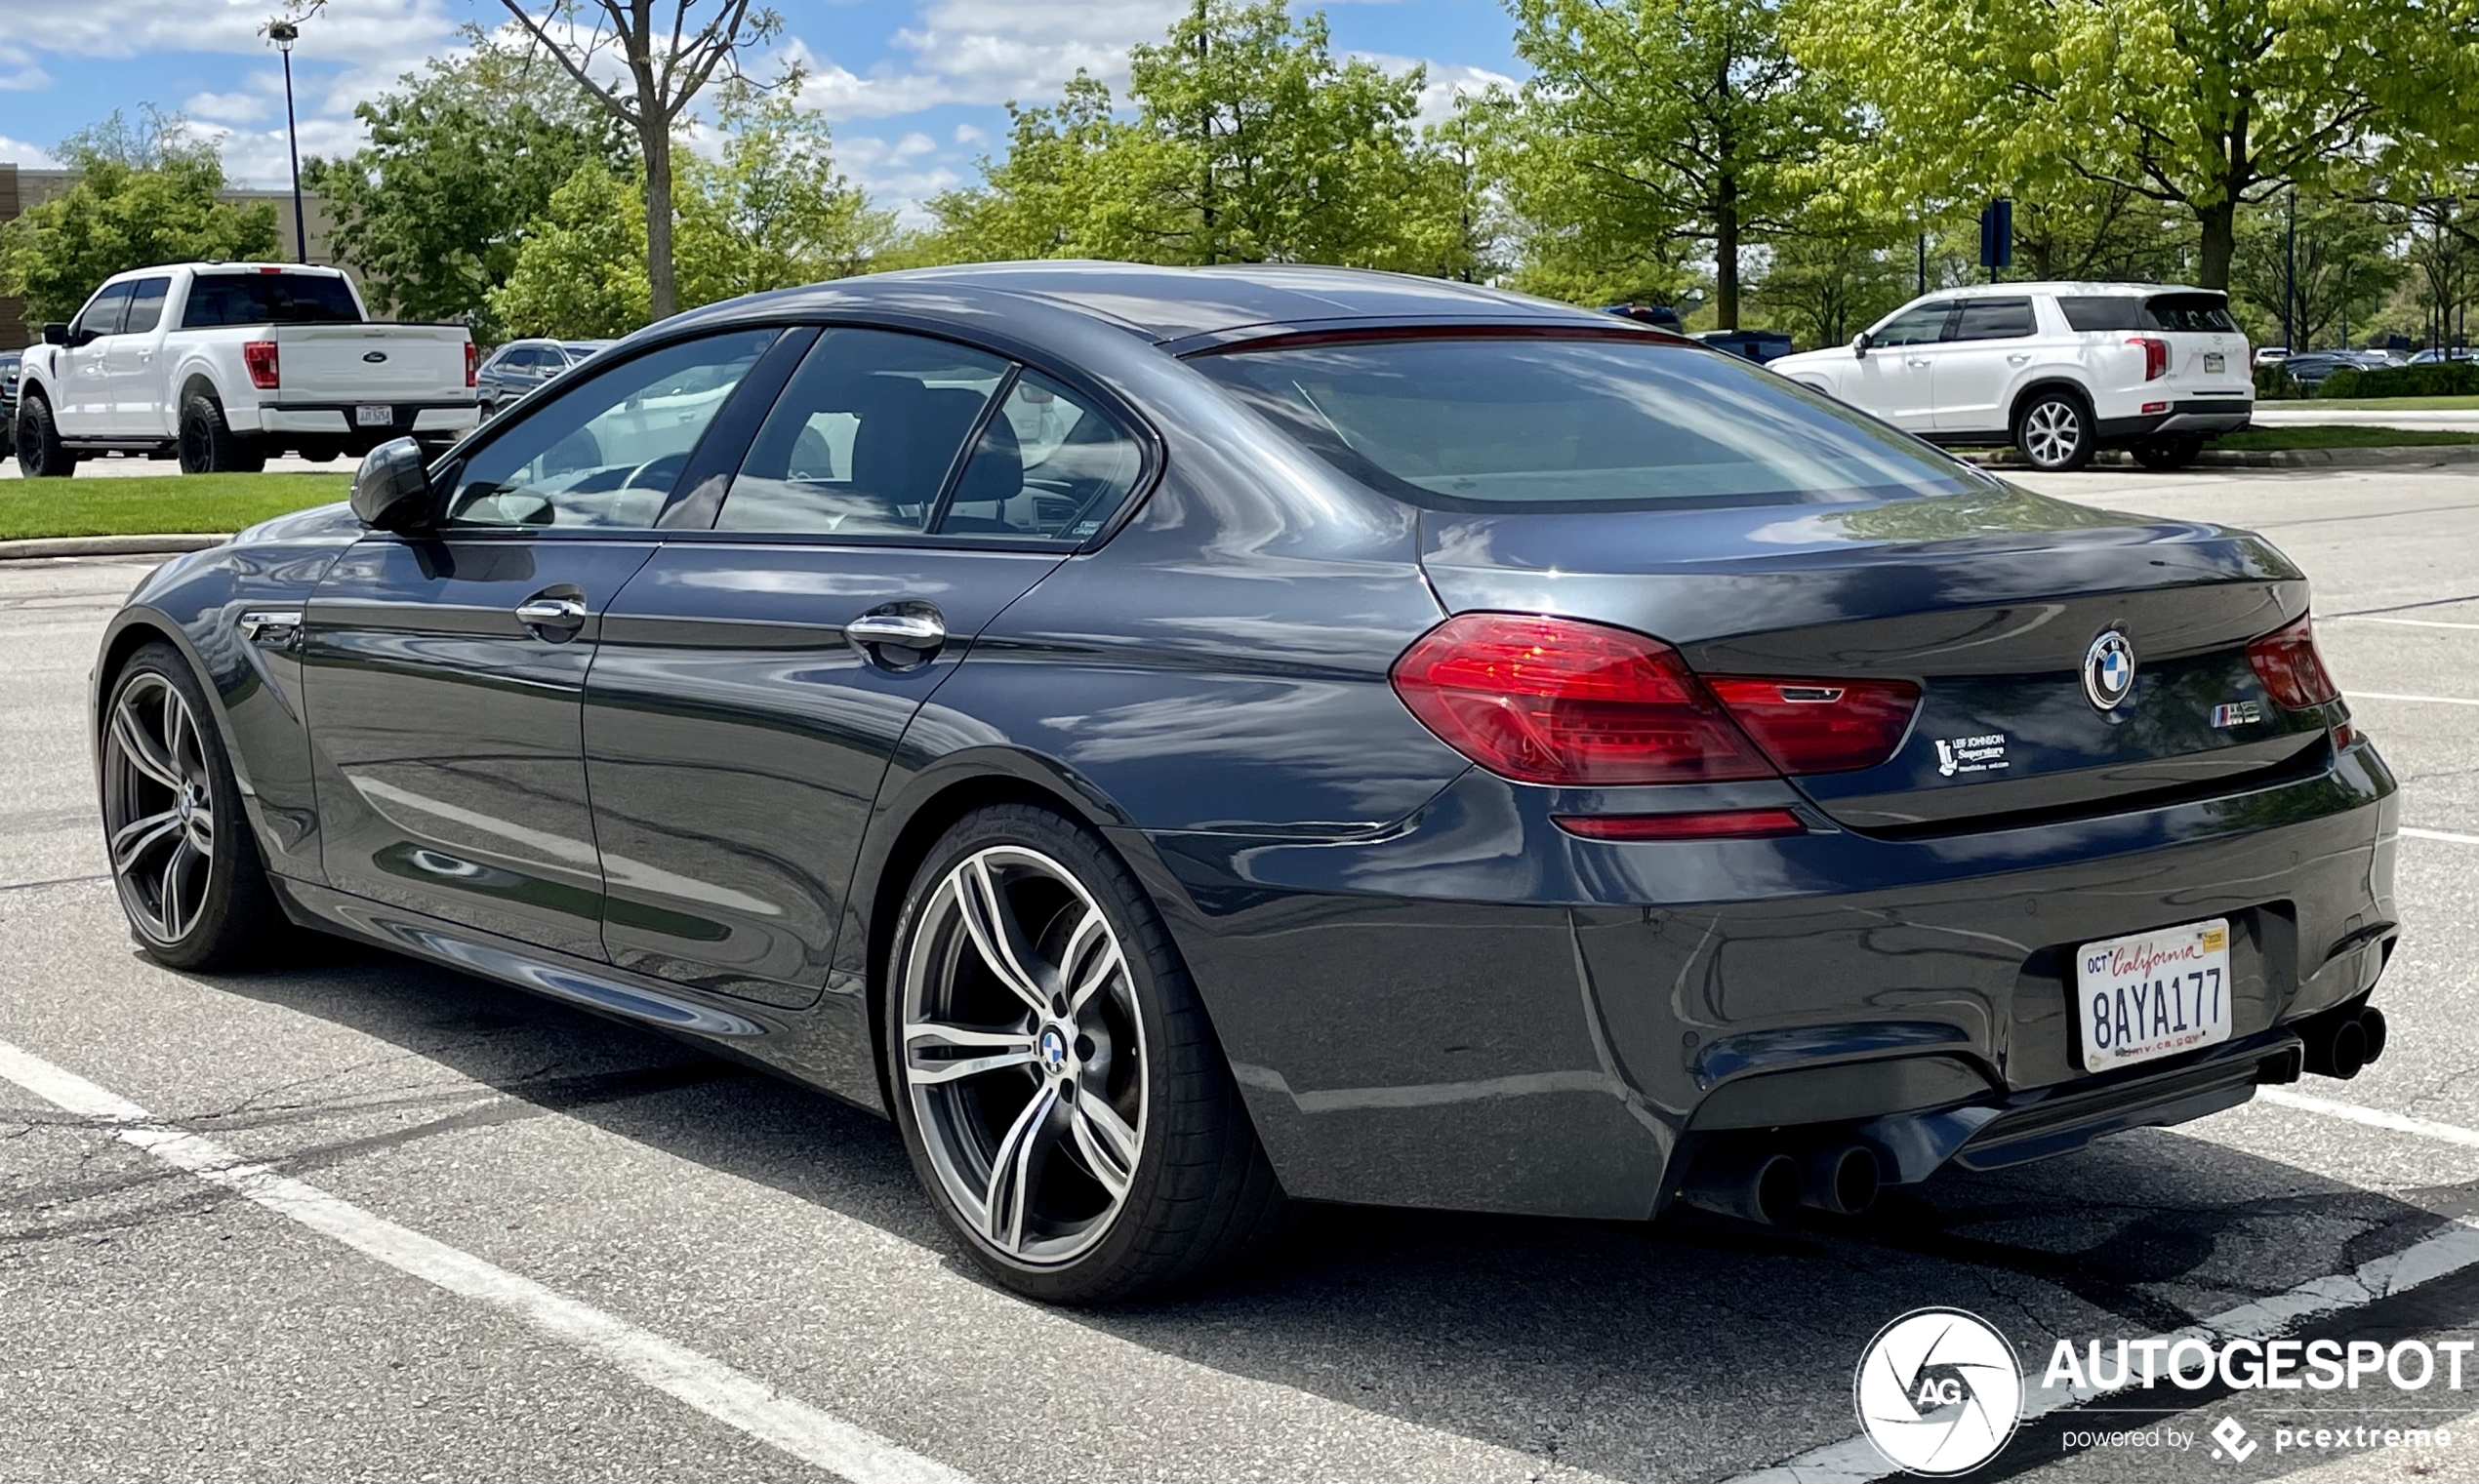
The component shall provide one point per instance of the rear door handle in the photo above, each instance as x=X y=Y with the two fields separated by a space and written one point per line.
x=1918 y=364
x=2017 y=358
x=552 y=612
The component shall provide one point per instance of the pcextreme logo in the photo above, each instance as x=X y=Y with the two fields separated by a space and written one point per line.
x=1938 y=1391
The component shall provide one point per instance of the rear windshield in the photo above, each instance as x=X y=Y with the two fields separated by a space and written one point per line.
x=1576 y=424
x=2161 y=311
x=252 y=298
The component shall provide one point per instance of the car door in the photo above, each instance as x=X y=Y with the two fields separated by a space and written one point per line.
x=1987 y=349
x=754 y=677
x=446 y=669
x=136 y=401
x=83 y=370
x=1896 y=379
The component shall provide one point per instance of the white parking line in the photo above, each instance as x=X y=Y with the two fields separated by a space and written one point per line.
x=2373 y=1118
x=730 y=1396
x=2413 y=833
x=2440 y=700
x=2360 y=618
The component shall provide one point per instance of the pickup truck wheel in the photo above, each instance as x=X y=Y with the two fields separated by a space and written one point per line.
x=209 y=446
x=39 y=452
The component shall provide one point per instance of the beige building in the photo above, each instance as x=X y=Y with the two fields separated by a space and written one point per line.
x=22 y=186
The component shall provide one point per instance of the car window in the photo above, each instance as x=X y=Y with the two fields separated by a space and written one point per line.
x=146 y=305
x=260 y=297
x=1918 y=325
x=103 y=316
x=524 y=358
x=862 y=439
x=1994 y=319
x=608 y=449
x=2194 y=312
x=1048 y=466
x=2088 y=312
x=1580 y=423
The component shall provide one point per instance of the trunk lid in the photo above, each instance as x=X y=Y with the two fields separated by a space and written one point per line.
x=334 y=363
x=1989 y=601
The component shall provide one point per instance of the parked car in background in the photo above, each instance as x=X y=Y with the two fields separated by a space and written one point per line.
x=2271 y=355
x=519 y=366
x=2312 y=369
x=1758 y=345
x=1660 y=316
x=226 y=363
x=2434 y=356
x=12 y=365
x=2059 y=370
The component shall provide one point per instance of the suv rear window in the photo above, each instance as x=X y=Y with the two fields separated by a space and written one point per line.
x=251 y=297
x=1463 y=423
x=2189 y=311
x=2161 y=311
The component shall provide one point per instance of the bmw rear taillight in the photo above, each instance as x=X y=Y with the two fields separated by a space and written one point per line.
x=2155 y=357
x=260 y=357
x=472 y=362
x=1820 y=726
x=2292 y=668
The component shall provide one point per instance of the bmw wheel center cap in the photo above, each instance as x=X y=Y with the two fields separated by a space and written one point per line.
x=2108 y=669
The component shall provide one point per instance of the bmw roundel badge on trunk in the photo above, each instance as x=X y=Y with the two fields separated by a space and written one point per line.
x=2108 y=669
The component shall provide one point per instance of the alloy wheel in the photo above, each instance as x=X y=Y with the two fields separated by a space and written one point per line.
x=158 y=810
x=1023 y=1054
x=2051 y=432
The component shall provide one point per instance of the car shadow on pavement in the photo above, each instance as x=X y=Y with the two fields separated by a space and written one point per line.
x=1680 y=1349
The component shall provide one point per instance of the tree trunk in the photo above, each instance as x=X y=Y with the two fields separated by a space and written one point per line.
x=2220 y=222
x=1725 y=253
x=662 y=299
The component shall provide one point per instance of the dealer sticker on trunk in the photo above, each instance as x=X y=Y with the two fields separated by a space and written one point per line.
x=2153 y=995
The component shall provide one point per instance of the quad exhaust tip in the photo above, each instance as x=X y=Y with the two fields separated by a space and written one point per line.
x=1768 y=1185
x=2341 y=1044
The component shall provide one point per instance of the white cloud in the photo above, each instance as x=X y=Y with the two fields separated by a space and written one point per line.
x=19 y=152
x=898 y=175
x=230 y=108
x=1445 y=83
x=969 y=135
x=988 y=52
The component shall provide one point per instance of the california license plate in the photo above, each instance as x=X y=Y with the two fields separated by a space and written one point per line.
x=2153 y=995
x=2215 y=361
x=369 y=416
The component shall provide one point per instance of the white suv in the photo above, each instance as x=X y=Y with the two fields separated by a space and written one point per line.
x=2057 y=370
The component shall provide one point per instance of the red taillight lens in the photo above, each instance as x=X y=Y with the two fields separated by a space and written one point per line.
x=1820 y=726
x=1558 y=700
x=260 y=357
x=1715 y=824
x=2155 y=357
x=2292 y=668
x=472 y=362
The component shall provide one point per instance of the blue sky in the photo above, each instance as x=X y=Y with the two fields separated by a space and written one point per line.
x=914 y=87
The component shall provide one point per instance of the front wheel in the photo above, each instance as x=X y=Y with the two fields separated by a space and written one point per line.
x=40 y=455
x=1059 y=1090
x=2053 y=431
x=2167 y=453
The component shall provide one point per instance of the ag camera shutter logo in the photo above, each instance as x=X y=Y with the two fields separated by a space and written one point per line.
x=1938 y=1391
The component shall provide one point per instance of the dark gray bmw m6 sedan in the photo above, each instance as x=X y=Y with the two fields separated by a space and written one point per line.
x=1185 y=741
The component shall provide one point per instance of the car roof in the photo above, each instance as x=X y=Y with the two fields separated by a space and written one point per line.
x=1170 y=304
x=2077 y=287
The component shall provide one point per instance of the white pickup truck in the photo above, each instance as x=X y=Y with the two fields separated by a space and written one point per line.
x=226 y=363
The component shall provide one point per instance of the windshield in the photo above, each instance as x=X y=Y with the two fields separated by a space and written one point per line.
x=252 y=297
x=1576 y=424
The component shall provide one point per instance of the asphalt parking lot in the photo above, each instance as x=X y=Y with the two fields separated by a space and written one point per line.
x=523 y=1243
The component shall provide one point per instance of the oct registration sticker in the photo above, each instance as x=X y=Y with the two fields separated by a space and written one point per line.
x=2153 y=995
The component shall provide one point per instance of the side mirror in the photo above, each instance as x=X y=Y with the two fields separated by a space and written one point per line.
x=56 y=333
x=1860 y=345
x=391 y=490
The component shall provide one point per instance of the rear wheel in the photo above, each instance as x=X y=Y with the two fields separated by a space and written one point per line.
x=189 y=875
x=1059 y=1090
x=208 y=443
x=40 y=455
x=2053 y=431
x=2167 y=453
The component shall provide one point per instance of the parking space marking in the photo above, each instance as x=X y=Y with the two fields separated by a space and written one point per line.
x=2412 y=831
x=2361 y=618
x=730 y=1396
x=2373 y=1118
x=1855 y=1461
x=2441 y=700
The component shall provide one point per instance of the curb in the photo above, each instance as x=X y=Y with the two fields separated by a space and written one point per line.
x=2268 y=459
x=109 y=545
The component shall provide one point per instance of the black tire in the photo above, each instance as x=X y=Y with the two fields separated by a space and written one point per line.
x=1201 y=1196
x=2167 y=453
x=235 y=919
x=2054 y=432
x=320 y=453
x=209 y=446
x=40 y=455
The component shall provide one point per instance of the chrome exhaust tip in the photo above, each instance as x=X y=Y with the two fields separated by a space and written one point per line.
x=1761 y=1186
x=1842 y=1179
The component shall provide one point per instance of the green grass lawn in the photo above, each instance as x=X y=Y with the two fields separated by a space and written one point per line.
x=2376 y=404
x=2339 y=435
x=155 y=506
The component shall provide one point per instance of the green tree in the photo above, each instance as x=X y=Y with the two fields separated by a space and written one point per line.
x=580 y=273
x=1076 y=182
x=2338 y=257
x=2201 y=106
x=146 y=193
x=1651 y=129
x=461 y=158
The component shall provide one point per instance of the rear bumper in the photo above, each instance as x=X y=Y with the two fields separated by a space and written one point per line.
x=2186 y=416
x=1477 y=1010
x=340 y=419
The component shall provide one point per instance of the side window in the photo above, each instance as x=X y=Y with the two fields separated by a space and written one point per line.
x=1995 y=319
x=862 y=439
x=103 y=316
x=146 y=305
x=524 y=360
x=1047 y=467
x=607 y=452
x=2091 y=311
x=1920 y=326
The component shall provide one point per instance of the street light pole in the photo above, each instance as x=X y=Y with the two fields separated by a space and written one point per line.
x=284 y=33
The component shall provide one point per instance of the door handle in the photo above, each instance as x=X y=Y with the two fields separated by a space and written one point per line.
x=913 y=630
x=2017 y=358
x=1919 y=364
x=550 y=613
